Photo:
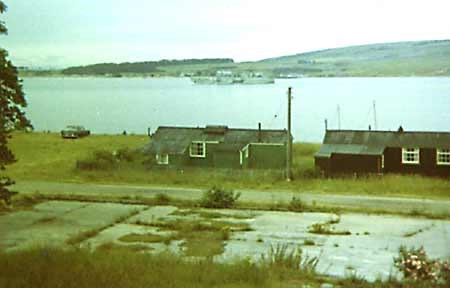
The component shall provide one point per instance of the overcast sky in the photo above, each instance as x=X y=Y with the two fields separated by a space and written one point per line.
x=60 y=33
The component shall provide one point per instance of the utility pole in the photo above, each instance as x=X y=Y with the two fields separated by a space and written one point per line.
x=374 y=116
x=289 y=139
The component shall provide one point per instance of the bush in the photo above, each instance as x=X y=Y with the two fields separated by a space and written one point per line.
x=106 y=160
x=162 y=199
x=125 y=154
x=100 y=160
x=5 y=194
x=296 y=204
x=415 y=265
x=219 y=198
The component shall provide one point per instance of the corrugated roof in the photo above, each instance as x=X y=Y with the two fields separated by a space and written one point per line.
x=374 y=142
x=175 y=140
x=327 y=149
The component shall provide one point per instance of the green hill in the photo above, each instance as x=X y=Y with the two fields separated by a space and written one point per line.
x=419 y=58
x=422 y=58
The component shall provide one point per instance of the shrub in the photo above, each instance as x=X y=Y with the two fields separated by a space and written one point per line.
x=100 y=160
x=219 y=198
x=225 y=233
x=162 y=199
x=106 y=160
x=125 y=154
x=309 y=242
x=296 y=204
x=5 y=194
x=415 y=265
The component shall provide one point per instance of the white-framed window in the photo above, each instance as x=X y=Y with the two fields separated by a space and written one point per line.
x=197 y=149
x=443 y=156
x=410 y=155
x=162 y=159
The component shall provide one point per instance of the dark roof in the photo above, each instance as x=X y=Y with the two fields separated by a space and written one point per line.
x=175 y=140
x=374 y=142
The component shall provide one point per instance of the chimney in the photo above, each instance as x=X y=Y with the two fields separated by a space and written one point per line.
x=259 y=132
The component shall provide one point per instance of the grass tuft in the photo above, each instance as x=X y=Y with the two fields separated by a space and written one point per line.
x=145 y=238
x=327 y=228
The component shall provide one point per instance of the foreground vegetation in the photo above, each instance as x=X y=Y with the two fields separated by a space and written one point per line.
x=112 y=267
x=47 y=157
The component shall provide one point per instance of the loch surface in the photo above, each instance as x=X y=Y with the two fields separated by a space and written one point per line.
x=112 y=105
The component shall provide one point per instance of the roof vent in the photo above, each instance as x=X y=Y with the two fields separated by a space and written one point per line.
x=216 y=129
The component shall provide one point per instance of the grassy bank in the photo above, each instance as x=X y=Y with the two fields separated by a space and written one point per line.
x=51 y=267
x=47 y=157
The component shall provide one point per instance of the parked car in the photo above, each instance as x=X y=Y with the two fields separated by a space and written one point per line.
x=73 y=132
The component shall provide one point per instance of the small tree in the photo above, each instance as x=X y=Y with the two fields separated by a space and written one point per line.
x=12 y=101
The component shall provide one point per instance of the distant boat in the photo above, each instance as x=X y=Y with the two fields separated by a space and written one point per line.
x=203 y=80
x=225 y=77
x=257 y=78
x=290 y=76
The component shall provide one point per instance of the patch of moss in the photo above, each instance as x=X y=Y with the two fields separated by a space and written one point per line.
x=146 y=238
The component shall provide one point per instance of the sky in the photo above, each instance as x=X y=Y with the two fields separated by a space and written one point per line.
x=61 y=33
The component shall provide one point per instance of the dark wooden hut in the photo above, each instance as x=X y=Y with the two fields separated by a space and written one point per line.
x=350 y=151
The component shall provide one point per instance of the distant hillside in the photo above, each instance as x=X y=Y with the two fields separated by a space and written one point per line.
x=137 y=67
x=420 y=58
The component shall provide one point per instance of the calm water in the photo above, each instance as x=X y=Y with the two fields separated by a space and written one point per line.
x=111 y=105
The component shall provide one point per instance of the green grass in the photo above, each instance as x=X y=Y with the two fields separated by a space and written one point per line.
x=47 y=157
x=121 y=268
x=326 y=228
x=145 y=238
x=113 y=247
x=114 y=266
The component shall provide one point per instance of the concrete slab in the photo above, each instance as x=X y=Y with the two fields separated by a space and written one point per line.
x=53 y=222
x=367 y=252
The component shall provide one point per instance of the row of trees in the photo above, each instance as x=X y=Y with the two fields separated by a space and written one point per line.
x=12 y=102
x=138 y=67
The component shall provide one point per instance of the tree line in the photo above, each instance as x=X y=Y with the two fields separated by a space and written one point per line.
x=137 y=67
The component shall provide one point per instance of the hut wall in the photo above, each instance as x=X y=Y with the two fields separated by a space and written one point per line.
x=427 y=166
x=348 y=163
x=266 y=157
